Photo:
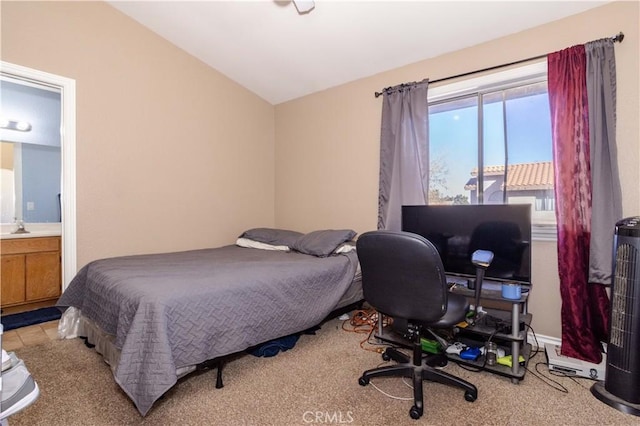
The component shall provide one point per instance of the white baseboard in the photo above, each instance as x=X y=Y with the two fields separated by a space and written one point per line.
x=541 y=340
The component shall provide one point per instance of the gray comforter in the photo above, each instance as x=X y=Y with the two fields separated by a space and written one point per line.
x=179 y=309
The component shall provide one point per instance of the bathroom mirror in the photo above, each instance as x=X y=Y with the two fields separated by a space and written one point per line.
x=30 y=160
x=30 y=183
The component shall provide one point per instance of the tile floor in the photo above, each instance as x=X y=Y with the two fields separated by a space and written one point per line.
x=30 y=336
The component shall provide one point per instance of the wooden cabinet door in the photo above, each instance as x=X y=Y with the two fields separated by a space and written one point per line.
x=13 y=276
x=43 y=275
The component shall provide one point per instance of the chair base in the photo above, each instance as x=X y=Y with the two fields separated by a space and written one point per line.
x=424 y=370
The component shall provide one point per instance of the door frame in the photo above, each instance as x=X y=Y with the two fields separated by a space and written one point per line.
x=67 y=87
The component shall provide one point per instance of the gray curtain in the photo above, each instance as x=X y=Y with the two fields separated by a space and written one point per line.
x=404 y=153
x=606 y=197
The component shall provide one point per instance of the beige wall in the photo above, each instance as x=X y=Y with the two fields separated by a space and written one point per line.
x=327 y=143
x=171 y=155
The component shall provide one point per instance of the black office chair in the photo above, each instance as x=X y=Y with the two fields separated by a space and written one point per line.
x=403 y=277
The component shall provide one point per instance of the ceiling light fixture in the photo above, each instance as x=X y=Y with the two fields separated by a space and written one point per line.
x=304 y=6
x=21 y=126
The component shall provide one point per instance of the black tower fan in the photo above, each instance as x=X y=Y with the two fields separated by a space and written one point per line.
x=621 y=388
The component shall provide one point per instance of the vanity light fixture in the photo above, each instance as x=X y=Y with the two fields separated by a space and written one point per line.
x=21 y=126
x=304 y=6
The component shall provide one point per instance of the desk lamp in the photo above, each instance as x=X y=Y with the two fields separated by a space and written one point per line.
x=481 y=259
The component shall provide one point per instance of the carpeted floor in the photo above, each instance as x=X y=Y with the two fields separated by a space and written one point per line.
x=316 y=382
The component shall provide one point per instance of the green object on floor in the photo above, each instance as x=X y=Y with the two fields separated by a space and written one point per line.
x=431 y=346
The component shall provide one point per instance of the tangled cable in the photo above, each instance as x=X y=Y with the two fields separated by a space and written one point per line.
x=365 y=321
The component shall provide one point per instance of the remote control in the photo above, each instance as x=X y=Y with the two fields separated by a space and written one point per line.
x=455 y=348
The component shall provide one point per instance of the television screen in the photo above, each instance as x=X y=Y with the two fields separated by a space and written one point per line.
x=459 y=230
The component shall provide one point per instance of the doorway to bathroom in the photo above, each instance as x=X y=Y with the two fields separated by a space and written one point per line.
x=41 y=217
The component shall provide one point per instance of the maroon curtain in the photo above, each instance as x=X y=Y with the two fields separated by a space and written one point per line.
x=584 y=312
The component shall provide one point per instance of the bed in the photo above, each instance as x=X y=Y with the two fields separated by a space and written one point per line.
x=155 y=317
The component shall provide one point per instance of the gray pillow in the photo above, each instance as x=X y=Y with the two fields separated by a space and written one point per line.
x=276 y=237
x=322 y=243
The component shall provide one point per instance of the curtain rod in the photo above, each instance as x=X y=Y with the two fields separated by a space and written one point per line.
x=616 y=38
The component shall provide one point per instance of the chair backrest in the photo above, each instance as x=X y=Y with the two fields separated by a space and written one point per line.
x=402 y=275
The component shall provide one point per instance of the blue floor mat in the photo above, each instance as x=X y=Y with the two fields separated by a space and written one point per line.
x=23 y=319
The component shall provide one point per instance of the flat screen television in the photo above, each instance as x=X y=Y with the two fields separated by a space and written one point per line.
x=459 y=230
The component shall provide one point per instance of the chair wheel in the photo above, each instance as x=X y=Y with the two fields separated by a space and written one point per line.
x=470 y=396
x=442 y=362
x=415 y=413
x=385 y=356
x=436 y=361
x=363 y=381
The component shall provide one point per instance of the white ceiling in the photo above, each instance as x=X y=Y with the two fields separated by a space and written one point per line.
x=267 y=47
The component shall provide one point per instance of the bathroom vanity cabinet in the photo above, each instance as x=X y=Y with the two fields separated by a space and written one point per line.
x=31 y=270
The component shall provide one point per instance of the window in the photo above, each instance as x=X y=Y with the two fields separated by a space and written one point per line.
x=490 y=142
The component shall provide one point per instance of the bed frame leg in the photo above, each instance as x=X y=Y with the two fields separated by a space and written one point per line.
x=219 y=384
x=86 y=342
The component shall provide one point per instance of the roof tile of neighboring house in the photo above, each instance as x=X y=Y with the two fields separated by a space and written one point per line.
x=525 y=176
